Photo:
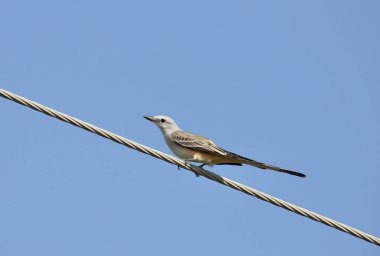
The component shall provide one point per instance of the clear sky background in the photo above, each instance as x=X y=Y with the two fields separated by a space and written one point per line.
x=290 y=83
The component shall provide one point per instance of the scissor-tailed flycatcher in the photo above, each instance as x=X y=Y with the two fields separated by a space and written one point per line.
x=195 y=148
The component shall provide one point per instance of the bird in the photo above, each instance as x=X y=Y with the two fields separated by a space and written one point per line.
x=195 y=148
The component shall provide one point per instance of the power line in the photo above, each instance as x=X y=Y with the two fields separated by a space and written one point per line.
x=198 y=171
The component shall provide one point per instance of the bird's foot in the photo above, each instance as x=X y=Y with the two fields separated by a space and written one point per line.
x=186 y=162
x=200 y=166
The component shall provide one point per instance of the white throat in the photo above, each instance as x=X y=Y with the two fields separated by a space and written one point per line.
x=167 y=131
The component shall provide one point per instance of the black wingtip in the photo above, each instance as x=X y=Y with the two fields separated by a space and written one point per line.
x=296 y=173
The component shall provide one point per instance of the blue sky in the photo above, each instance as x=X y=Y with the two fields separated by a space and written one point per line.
x=290 y=83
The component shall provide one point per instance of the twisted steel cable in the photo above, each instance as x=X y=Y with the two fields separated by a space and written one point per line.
x=197 y=170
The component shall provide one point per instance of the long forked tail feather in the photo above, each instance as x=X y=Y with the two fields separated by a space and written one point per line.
x=251 y=162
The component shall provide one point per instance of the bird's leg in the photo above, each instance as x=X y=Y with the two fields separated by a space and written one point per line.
x=200 y=166
x=186 y=162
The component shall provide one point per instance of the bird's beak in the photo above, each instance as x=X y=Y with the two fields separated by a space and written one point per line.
x=150 y=118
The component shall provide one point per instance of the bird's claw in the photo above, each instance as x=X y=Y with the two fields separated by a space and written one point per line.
x=200 y=166
x=187 y=163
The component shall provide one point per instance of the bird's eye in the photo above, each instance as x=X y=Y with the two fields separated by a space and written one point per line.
x=163 y=120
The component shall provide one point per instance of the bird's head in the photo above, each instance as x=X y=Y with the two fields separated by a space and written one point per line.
x=165 y=123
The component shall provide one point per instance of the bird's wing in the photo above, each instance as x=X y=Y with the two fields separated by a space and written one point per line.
x=196 y=142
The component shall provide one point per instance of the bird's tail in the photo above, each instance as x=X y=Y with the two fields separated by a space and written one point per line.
x=251 y=162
